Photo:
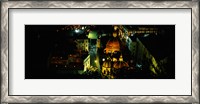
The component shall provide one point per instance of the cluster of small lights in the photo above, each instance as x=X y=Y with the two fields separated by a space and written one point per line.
x=76 y=28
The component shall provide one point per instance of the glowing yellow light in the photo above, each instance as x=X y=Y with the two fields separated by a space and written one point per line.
x=115 y=27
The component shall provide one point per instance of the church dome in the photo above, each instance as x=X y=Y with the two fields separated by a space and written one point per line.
x=120 y=64
x=107 y=64
x=112 y=46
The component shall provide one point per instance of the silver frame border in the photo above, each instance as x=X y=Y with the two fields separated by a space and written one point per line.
x=193 y=5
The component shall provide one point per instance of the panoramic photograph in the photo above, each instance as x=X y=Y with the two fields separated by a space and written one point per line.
x=99 y=51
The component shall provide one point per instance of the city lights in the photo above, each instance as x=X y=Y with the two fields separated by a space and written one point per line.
x=77 y=30
x=100 y=52
x=83 y=28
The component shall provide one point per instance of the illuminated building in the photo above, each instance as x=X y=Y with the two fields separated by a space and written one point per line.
x=93 y=47
x=112 y=63
x=110 y=68
x=119 y=30
x=58 y=62
x=115 y=34
x=152 y=54
x=98 y=43
x=112 y=46
x=79 y=62
x=73 y=58
x=73 y=61
x=120 y=64
x=86 y=63
x=93 y=35
x=106 y=67
x=82 y=44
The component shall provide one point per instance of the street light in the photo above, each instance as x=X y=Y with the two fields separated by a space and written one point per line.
x=83 y=28
x=77 y=30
